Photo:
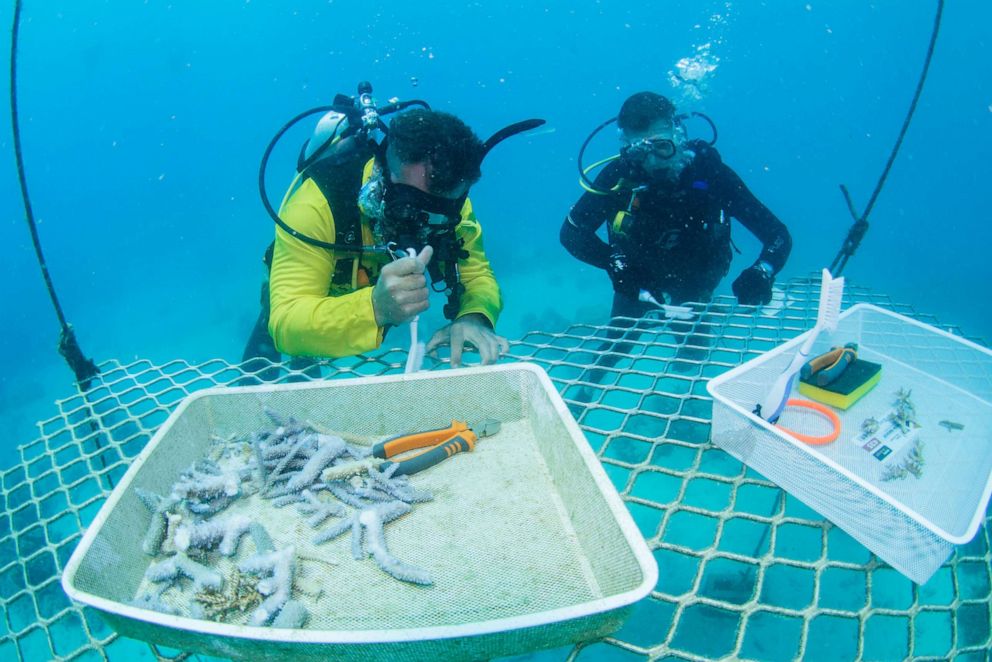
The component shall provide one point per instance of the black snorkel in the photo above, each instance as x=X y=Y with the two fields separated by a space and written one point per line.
x=584 y=171
x=450 y=250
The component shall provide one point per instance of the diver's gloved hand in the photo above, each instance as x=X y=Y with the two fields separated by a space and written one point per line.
x=754 y=286
x=471 y=329
x=622 y=275
x=401 y=291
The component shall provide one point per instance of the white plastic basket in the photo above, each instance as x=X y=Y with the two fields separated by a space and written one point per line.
x=528 y=542
x=911 y=523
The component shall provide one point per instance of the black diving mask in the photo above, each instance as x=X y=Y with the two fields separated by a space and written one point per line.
x=413 y=218
x=639 y=150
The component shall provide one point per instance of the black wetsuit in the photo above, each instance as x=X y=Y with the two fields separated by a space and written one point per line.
x=676 y=240
x=675 y=243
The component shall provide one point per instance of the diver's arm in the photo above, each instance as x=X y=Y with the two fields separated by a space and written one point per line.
x=584 y=244
x=482 y=294
x=578 y=232
x=305 y=321
x=756 y=217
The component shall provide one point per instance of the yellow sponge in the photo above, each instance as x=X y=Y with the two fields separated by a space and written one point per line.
x=856 y=380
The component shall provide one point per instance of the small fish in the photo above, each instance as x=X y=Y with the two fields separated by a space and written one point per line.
x=951 y=425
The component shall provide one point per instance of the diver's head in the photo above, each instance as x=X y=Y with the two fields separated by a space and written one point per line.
x=652 y=140
x=431 y=160
x=433 y=151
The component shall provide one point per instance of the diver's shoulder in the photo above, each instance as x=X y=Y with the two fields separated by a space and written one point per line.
x=611 y=173
x=704 y=154
x=308 y=211
x=308 y=195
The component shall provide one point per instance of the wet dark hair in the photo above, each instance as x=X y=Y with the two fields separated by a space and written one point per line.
x=643 y=109
x=451 y=148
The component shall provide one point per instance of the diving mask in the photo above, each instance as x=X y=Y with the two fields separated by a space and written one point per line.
x=639 y=150
x=414 y=218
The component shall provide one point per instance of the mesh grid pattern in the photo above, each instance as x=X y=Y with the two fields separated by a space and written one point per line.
x=746 y=570
x=957 y=462
x=461 y=537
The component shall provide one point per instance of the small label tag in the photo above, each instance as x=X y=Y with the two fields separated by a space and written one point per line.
x=900 y=441
x=882 y=453
x=889 y=444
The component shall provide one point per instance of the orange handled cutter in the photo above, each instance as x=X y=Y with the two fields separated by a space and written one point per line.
x=437 y=445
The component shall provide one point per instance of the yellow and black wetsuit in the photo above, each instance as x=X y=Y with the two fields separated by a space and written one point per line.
x=318 y=309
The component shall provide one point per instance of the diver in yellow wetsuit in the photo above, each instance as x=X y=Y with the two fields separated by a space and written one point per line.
x=335 y=289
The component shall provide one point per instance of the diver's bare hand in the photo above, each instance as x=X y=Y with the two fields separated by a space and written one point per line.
x=401 y=291
x=472 y=329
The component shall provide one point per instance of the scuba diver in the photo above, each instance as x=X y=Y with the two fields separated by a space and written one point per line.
x=667 y=202
x=369 y=227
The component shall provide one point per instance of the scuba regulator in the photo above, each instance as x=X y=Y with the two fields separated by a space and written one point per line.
x=355 y=120
x=412 y=218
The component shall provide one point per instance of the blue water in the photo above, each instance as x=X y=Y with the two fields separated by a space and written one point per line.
x=143 y=123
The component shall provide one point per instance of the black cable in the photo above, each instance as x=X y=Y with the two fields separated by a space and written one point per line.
x=83 y=368
x=860 y=227
x=20 y=168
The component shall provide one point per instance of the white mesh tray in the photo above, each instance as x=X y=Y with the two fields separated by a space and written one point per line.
x=911 y=523
x=527 y=541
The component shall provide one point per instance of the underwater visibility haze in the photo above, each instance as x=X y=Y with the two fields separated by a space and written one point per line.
x=142 y=126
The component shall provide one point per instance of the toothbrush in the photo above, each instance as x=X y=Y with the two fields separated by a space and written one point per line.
x=831 y=293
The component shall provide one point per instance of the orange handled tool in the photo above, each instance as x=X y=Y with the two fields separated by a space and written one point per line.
x=407 y=442
x=827 y=367
x=439 y=444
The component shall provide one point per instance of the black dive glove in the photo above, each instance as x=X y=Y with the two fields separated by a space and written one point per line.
x=622 y=275
x=754 y=286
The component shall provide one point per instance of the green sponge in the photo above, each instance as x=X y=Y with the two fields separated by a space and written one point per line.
x=856 y=380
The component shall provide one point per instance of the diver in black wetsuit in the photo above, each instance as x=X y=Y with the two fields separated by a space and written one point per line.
x=667 y=202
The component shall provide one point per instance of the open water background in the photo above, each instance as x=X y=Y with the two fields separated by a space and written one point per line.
x=143 y=124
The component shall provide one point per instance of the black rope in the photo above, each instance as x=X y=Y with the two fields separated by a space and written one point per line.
x=83 y=368
x=860 y=227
